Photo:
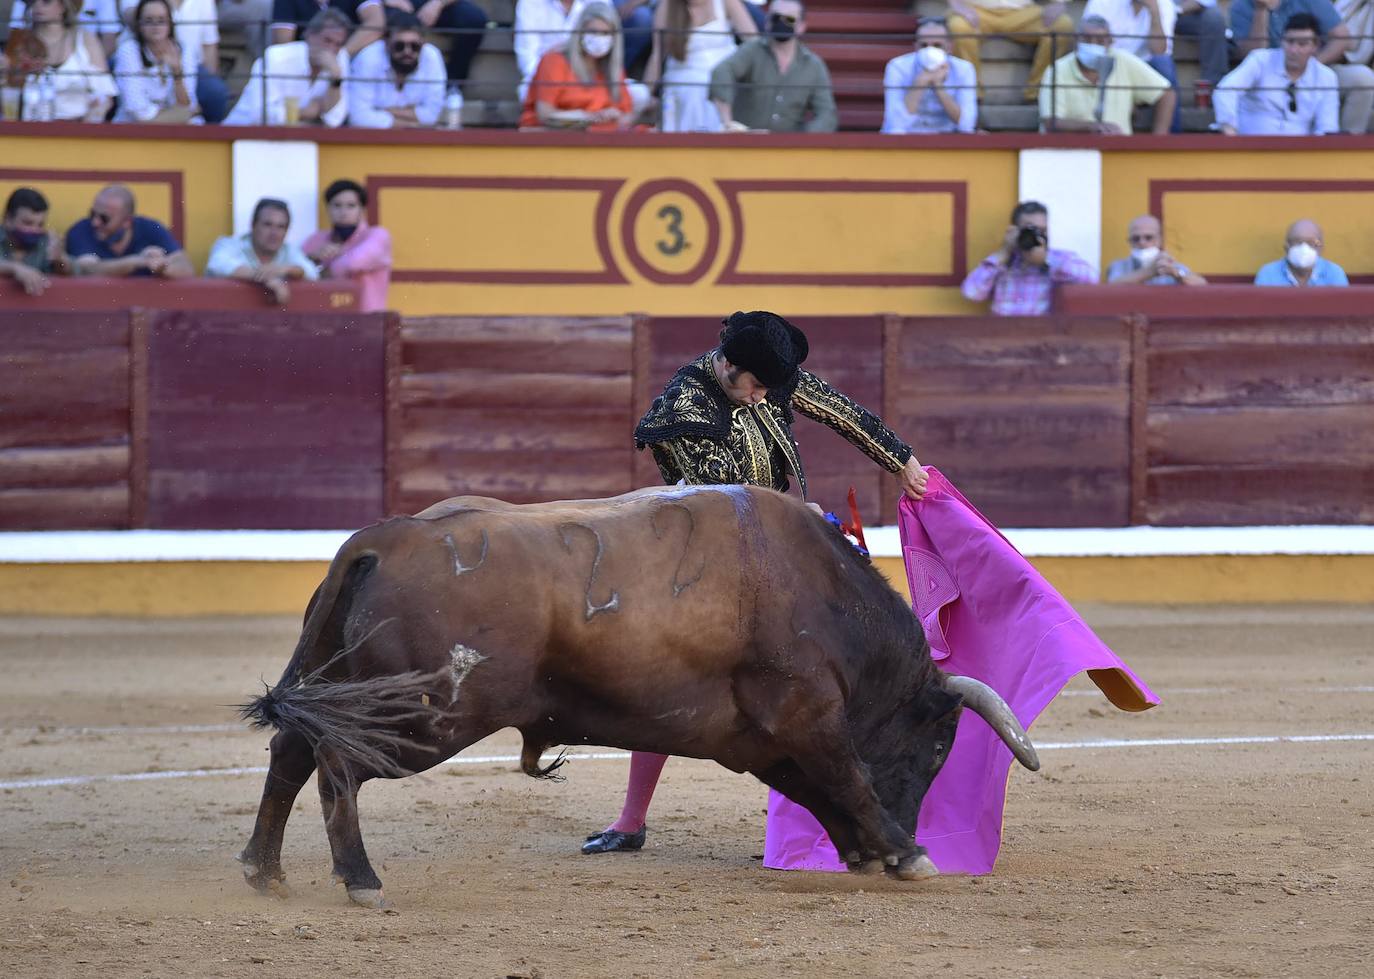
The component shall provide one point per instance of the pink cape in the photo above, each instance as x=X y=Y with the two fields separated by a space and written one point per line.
x=987 y=614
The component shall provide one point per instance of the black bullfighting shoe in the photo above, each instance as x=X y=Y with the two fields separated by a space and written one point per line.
x=611 y=840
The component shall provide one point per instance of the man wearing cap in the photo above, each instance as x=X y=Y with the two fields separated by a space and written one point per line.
x=727 y=418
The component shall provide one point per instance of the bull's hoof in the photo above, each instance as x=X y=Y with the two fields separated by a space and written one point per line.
x=919 y=867
x=368 y=897
x=262 y=881
x=867 y=868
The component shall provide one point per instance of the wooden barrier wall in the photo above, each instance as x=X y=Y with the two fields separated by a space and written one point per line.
x=318 y=420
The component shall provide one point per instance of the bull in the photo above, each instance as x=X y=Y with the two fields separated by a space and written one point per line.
x=729 y=623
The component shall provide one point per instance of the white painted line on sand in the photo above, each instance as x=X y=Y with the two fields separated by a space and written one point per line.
x=60 y=780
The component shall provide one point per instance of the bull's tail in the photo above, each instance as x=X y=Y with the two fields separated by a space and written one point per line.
x=355 y=726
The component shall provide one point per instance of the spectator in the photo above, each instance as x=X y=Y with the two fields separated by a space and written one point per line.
x=303 y=79
x=73 y=83
x=366 y=20
x=582 y=86
x=1358 y=16
x=540 y=27
x=196 y=25
x=1021 y=275
x=29 y=252
x=1302 y=265
x=637 y=26
x=250 y=18
x=114 y=241
x=352 y=249
x=685 y=52
x=1259 y=25
x=776 y=82
x=398 y=83
x=464 y=22
x=1282 y=91
x=1047 y=27
x=263 y=255
x=99 y=17
x=1149 y=264
x=926 y=90
x=151 y=69
x=1144 y=28
x=1095 y=89
x=1201 y=19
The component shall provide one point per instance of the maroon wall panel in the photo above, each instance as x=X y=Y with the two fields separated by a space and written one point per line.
x=265 y=420
x=1261 y=421
x=521 y=409
x=1029 y=417
x=64 y=420
x=847 y=352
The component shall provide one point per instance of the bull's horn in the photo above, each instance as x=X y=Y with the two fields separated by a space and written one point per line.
x=990 y=707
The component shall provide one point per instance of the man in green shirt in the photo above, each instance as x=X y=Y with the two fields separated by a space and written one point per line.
x=774 y=81
x=29 y=252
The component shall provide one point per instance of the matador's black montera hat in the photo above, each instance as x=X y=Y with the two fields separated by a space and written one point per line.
x=765 y=345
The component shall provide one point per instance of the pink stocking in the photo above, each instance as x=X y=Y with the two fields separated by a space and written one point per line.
x=645 y=768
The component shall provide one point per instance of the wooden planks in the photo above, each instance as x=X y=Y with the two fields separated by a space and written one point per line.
x=265 y=420
x=64 y=420
x=1029 y=417
x=521 y=409
x=1260 y=421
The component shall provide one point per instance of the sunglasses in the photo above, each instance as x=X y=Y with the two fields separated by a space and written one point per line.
x=401 y=46
x=98 y=218
x=1292 y=96
x=785 y=19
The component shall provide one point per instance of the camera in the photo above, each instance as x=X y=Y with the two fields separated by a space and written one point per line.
x=1030 y=238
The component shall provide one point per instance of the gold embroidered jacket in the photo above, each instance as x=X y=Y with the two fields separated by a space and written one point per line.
x=696 y=433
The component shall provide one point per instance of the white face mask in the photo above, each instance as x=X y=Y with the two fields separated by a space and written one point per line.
x=931 y=58
x=1145 y=256
x=1302 y=256
x=597 y=45
x=1091 y=55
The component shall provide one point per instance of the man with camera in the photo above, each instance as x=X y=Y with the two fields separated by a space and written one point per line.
x=1020 y=276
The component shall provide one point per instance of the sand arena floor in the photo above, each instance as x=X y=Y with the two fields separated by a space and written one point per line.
x=1198 y=859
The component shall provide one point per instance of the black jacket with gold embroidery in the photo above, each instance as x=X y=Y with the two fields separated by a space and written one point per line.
x=698 y=435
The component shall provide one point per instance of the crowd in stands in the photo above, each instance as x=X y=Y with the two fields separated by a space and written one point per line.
x=1291 y=67
x=1019 y=278
x=115 y=241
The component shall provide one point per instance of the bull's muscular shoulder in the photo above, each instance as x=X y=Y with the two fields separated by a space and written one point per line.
x=691 y=405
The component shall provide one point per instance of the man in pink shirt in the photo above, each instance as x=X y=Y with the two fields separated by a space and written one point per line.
x=351 y=248
x=1020 y=276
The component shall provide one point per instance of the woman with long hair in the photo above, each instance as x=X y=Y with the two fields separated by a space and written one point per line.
x=350 y=248
x=155 y=75
x=690 y=38
x=73 y=83
x=582 y=85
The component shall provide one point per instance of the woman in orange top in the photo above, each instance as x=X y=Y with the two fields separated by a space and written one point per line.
x=582 y=85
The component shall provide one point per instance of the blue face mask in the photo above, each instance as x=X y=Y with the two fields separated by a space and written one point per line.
x=342 y=232
x=26 y=239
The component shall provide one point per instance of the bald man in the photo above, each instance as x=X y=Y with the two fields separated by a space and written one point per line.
x=1150 y=264
x=113 y=241
x=1302 y=263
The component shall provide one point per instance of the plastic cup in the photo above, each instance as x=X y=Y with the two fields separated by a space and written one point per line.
x=9 y=98
x=292 y=107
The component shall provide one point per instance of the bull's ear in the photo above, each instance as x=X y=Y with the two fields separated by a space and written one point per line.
x=934 y=702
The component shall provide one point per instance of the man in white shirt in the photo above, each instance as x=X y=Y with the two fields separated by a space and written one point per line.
x=311 y=72
x=100 y=17
x=263 y=255
x=541 y=26
x=398 y=82
x=1283 y=91
x=1144 y=28
x=928 y=90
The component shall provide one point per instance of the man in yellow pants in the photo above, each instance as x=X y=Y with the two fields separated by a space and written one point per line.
x=1022 y=21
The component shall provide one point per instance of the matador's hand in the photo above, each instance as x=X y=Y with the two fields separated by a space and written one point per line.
x=913 y=479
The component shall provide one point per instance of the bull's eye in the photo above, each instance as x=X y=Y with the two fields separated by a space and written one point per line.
x=939 y=748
